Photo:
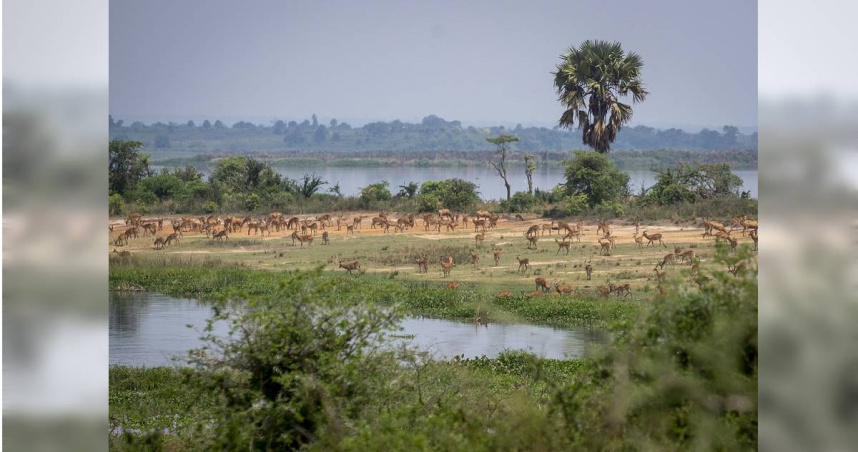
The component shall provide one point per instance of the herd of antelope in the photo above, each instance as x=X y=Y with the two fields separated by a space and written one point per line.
x=305 y=230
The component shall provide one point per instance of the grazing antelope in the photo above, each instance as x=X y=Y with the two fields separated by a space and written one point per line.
x=668 y=259
x=159 y=243
x=479 y=239
x=124 y=255
x=523 y=263
x=562 y=245
x=497 y=255
x=531 y=241
x=121 y=240
x=589 y=269
x=174 y=237
x=605 y=247
x=623 y=289
x=659 y=274
x=475 y=259
x=542 y=284
x=654 y=238
x=638 y=240
x=446 y=266
x=452 y=285
x=733 y=242
x=532 y=231
x=564 y=289
x=350 y=267
x=220 y=235
x=325 y=240
x=518 y=217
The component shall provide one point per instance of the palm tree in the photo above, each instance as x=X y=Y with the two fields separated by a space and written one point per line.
x=589 y=83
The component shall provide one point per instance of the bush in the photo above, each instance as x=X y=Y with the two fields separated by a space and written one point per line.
x=252 y=203
x=210 y=207
x=116 y=204
x=575 y=204
x=428 y=203
x=455 y=194
x=373 y=193
x=596 y=176
x=521 y=202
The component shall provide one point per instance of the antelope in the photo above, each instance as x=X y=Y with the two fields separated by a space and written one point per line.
x=479 y=238
x=479 y=224
x=668 y=259
x=220 y=235
x=350 y=267
x=717 y=226
x=573 y=233
x=483 y=214
x=754 y=237
x=525 y=263
x=124 y=255
x=357 y=222
x=736 y=222
x=151 y=228
x=531 y=231
x=542 y=284
x=604 y=291
x=452 y=285
x=653 y=238
x=733 y=242
x=422 y=264
x=627 y=288
x=748 y=224
x=325 y=240
x=446 y=266
x=325 y=220
x=563 y=289
x=687 y=256
x=171 y=238
x=546 y=227
x=610 y=239
x=637 y=227
x=465 y=220
x=531 y=241
x=603 y=227
x=518 y=217
x=301 y=239
x=445 y=213
x=252 y=225
x=736 y=268
x=350 y=229
x=159 y=243
x=119 y=241
x=589 y=269
x=497 y=255
x=659 y=274
x=263 y=228
x=562 y=245
x=475 y=259
x=504 y=293
x=535 y=293
x=605 y=247
x=638 y=240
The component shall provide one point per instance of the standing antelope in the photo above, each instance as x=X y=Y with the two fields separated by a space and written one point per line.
x=301 y=239
x=542 y=284
x=589 y=269
x=531 y=241
x=668 y=259
x=605 y=247
x=446 y=266
x=159 y=243
x=523 y=263
x=659 y=275
x=754 y=237
x=562 y=245
x=221 y=235
x=475 y=259
x=422 y=264
x=687 y=256
x=654 y=238
x=497 y=255
x=638 y=240
x=174 y=237
x=748 y=224
x=350 y=229
x=479 y=239
x=325 y=240
x=124 y=255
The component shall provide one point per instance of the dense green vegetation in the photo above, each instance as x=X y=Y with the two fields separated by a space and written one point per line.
x=304 y=370
x=432 y=134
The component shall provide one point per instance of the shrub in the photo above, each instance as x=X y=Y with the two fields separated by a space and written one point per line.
x=373 y=193
x=210 y=207
x=252 y=203
x=428 y=203
x=596 y=176
x=575 y=204
x=521 y=202
x=116 y=204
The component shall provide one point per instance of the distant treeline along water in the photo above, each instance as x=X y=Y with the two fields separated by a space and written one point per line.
x=432 y=134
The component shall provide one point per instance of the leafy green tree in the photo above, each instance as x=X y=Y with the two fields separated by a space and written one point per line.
x=127 y=165
x=502 y=143
x=310 y=184
x=163 y=186
x=691 y=182
x=456 y=194
x=590 y=81
x=596 y=176
x=375 y=192
x=529 y=168
x=116 y=205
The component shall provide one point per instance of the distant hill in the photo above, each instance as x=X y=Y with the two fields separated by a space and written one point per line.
x=431 y=134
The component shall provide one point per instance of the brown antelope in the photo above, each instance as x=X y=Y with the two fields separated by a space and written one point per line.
x=452 y=285
x=535 y=293
x=475 y=259
x=748 y=224
x=301 y=239
x=687 y=255
x=564 y=289
x=446 y=266
x=350 y=267
x=531 y=241
x=563 y=245
x=654 y=238
x=483 y=214
x=504 y=293
x=523 y=263
x=754 y=237
x=263 y=228
x=174 y=237
x=546 y=227
x=589 y=269
x=736 y=222
x=637 y=227
x=717 y=226
x=659 y=274
x=532 y=231
x=605 y=247
x=735 y=269
x=350 y=229
x=604 y=291
x=497 y=255
x=252 y=225
x=668 y=259
x=479 y=224
x=610 y=239
x=542 y=284
x=325 y=240
x=573 y=233
x=479 y=239
x=733 y=242
x=638 y=240
x=124 y=255
x=422 y=264
x=518 y=217
x=604 y=228
x=220 y=235
x=445 y=213
x=623 y=289
x=159 y=243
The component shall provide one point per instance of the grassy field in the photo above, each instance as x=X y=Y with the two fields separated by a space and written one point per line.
x=391 y=255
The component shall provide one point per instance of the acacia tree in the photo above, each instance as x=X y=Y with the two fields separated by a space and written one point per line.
x=529 y=167
x=590 y=80
x=503 y=144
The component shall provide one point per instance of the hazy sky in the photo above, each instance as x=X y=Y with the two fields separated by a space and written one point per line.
x=478 y=62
